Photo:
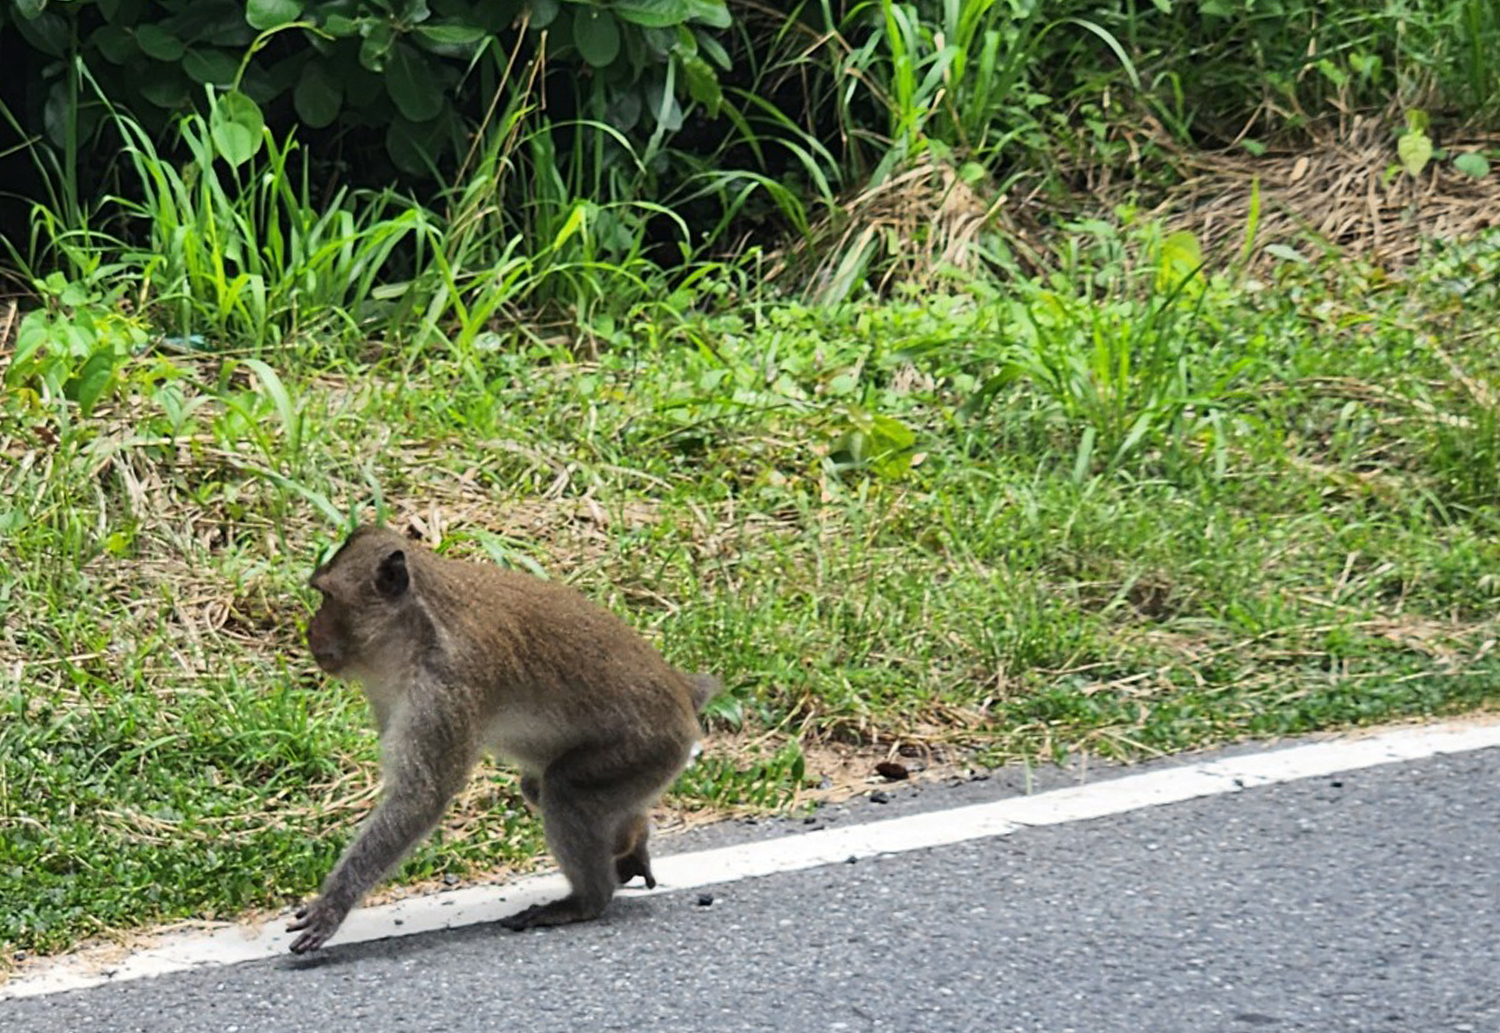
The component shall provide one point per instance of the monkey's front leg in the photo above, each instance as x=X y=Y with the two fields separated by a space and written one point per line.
x=429 y=766
x=397 y=825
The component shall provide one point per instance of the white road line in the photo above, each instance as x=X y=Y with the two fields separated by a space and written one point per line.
x=237 y=943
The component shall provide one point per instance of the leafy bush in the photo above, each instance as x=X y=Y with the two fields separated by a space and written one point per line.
x=574 y=157
x=412 y=70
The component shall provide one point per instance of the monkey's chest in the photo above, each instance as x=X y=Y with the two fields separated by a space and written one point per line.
x=382 y=691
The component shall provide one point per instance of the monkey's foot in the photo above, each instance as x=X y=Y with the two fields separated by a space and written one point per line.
x=631 y=865
x=554 y=912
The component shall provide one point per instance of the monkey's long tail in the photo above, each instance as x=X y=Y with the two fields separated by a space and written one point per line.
x=705 y=687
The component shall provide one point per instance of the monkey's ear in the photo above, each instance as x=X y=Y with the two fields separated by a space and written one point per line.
x=391 y=579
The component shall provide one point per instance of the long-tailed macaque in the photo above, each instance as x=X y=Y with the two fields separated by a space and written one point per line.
x=459 y=657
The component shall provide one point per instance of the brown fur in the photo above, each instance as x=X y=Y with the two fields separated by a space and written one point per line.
x=459 y=657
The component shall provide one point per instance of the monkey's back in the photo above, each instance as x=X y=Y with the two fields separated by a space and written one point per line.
x=554 y=664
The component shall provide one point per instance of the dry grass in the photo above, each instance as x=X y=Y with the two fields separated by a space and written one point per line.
x=1338 y=188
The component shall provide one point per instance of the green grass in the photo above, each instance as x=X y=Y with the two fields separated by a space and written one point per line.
x=1119 y=512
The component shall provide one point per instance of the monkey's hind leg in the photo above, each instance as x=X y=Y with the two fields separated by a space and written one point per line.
x=581 y=825
x=631 y=856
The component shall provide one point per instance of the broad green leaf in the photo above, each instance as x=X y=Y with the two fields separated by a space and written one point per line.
x=1180 y=258
x=891 y=433
x=267 y=14
x=494 y=16
x=1285 y=253
x=48 y=32
x=597 y=36
x=376 y=48
x=654 y=14
x=34 y=333
x=92 y=381
x=714 y=49
x=713 y=13
x=318 y=95
x=702 y=83
x=157 y=42
x=560 y=30
x=543 y=12
x=218 y=24
x=1415 y=149
x=1473 y=164
x=115 y=43
x=450 y=35
x=413 y=85
x=165 y=86
x=659 y=42
x=344 y=27
x=30 y=8
x=214 y=67
x=1416 y=121
x=236 y=126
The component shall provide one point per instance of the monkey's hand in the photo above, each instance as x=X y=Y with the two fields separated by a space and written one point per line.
x=318 y=920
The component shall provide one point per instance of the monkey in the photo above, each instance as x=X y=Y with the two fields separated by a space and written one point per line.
x=458 y=657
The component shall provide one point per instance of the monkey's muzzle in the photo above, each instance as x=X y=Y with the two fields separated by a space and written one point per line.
x=329 y=659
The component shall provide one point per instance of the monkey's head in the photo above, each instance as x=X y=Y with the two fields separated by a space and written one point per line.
x=366 y=598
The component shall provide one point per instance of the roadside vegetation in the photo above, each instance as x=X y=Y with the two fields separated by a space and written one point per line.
x=967 y=381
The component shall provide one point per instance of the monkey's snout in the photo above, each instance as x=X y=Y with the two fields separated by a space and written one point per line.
x=327 y=655
x=327 y=649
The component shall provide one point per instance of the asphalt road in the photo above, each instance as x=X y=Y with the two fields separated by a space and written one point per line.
x=1365 y=902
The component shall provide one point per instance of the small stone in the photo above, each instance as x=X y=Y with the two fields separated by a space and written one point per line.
x=879 y=797
x=892 y=771
x=705 y=900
